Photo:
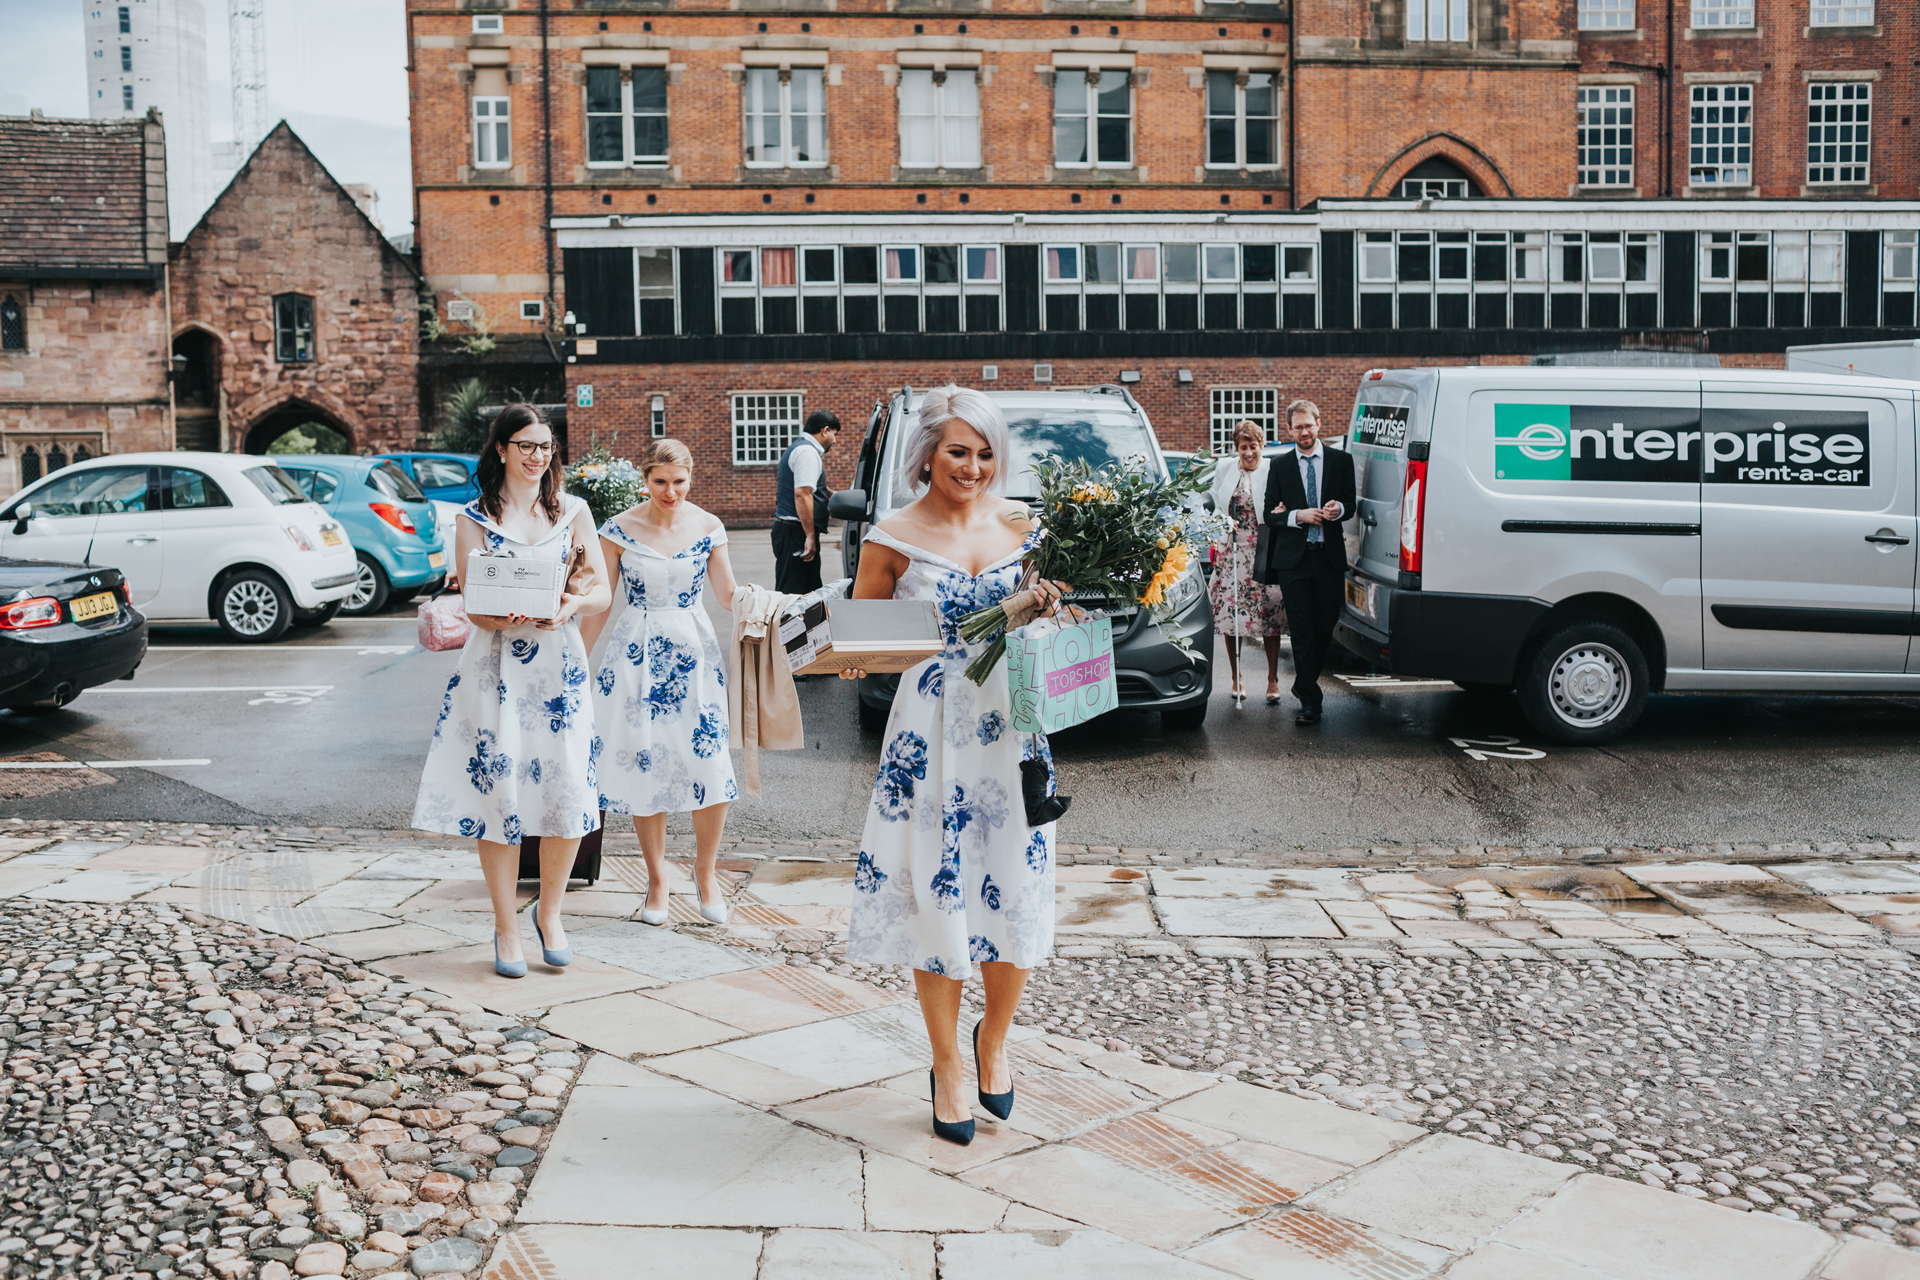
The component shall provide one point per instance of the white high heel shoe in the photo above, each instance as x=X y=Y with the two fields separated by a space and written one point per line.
x=650 y=916
x=716 y=912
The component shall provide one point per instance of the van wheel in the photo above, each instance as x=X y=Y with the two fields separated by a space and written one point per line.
x=1584 y=684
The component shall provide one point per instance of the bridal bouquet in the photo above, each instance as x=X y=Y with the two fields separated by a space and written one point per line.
x=1116 y=532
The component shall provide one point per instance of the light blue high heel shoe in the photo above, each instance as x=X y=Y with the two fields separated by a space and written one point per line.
x=558 y=959
x=506 y=968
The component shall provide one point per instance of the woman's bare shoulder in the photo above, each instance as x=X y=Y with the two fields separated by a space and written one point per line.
x=1018 y=513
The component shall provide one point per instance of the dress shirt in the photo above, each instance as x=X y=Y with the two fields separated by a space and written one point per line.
x=1313 y=476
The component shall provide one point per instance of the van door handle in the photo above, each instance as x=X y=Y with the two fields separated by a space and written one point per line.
x=1887 y=537
x=141 y=539
x=1367 y=519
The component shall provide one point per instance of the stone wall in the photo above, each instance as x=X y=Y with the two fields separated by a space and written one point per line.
x=286 y=227
x=93 y=375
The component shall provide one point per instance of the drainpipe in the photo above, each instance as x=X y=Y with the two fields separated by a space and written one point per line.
x=1293 y=133
x=1666 y=112
x=546 y=155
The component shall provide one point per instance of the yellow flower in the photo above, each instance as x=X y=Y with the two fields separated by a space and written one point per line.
x=1093 y=493
x=1170 y=570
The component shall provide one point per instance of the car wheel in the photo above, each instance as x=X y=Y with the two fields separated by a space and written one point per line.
x=319 y=617
x=1584 y=684
x=253 y=607
x=873 y=719
x=370 y=589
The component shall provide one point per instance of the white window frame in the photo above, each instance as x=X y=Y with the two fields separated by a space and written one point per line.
x=488 y=24
x=1900 y=255
x=1708 y=14
x=492 y=123
x=533 y=309
x=1840 y=13
x=754 y=83
x=1724 y=97
x=1840 y=98
x=628 y=157
x=944 y=116
x=1591 y=138
x=966 y=264
x=658 y=416
x=905 y=277
x=1049 y=254
x=1439 y=21
x=1606 y=15
x=764 y=423
x=1228 y=407
x=1239 y=118
x=1218 y=255
x=1089 y=77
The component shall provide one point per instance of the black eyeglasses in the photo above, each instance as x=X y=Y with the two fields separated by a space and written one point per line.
x=532 y=448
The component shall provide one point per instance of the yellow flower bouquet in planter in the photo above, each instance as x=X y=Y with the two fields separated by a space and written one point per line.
x=1121 y=537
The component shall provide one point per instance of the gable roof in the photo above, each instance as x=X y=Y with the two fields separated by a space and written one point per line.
x=83 y=198
x=282 y=135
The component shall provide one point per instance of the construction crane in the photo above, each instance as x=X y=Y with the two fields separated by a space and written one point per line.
x=247 y=45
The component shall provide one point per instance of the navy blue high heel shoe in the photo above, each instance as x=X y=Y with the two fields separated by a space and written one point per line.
x=1000 y=1104
x=558 y=959
x=961 y=1133
x=506 y=968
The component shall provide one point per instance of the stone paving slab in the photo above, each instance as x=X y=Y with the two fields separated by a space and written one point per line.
x=466 y=973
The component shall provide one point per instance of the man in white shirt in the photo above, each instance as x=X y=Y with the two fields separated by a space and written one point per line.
x=1309 y=496
x=801 y=488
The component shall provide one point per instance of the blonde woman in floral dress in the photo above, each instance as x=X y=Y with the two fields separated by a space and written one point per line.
x=660 y=697
x=950 y=875
x=1243 y=608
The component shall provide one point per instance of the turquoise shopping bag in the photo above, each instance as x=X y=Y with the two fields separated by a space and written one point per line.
x=1061 y=676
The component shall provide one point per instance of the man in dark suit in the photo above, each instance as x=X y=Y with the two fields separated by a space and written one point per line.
x=1309 y=496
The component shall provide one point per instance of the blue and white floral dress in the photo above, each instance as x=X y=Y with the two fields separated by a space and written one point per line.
x=950 y=873
x=660 y=697
x=513 y=754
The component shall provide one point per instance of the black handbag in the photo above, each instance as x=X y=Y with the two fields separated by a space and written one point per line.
x=586 y=862
x=1263 y=555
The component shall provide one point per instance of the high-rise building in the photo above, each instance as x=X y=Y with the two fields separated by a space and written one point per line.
x=153 y=53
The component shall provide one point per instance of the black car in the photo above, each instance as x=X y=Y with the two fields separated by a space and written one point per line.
x=63 y=628
x=1099 y=426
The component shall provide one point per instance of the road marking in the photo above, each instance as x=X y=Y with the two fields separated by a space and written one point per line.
x=278 y=694
x=292 y=648
x=1481 y=748
x=1377 y=682
x=97 y=764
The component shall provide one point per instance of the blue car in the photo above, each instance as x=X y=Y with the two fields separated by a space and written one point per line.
x=444 y=477
x=395 y=535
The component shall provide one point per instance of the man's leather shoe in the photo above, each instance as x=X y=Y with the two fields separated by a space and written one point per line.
x=1308 y=715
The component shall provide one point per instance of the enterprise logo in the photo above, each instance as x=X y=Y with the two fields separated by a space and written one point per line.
x=1679 y=446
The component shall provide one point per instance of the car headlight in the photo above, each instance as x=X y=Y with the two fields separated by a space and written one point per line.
x=1188 y=588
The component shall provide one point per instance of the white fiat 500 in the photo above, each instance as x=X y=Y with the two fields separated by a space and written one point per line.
x=225 y=536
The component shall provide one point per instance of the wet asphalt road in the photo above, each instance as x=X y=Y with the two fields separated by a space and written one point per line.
x=329 y=728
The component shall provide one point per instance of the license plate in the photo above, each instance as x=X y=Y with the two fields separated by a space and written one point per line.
x=437 y=559
x=331 y=537
x=86 y=608
x=1360 y=597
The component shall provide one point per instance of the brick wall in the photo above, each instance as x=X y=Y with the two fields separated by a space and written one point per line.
x=699 y=405
x=1778 y=56
x=94 y=372
x=285 y=226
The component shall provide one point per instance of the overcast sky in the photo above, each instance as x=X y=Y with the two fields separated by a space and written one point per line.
x=336 y=72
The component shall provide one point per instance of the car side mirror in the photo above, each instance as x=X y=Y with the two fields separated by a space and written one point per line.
x=848 y=504
x=22 y=514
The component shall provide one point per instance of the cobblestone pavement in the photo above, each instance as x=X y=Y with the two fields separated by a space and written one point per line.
x=1746 y=1040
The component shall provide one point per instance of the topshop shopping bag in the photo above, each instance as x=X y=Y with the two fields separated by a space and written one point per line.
x=1061 y=675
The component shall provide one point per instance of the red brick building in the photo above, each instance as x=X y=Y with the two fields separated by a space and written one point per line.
x=709 y=221
x=83 y=292
x=290 y=307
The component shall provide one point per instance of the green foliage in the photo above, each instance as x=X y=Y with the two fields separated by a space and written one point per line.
x=462 y=429
x=1118 y=535
x=311 y=437
x=609 y=484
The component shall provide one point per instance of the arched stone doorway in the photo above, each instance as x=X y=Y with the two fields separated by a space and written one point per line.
x=196 y=391
x=290 y=416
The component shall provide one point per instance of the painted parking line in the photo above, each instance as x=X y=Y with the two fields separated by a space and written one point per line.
x=291 y=648
x=1395 y=682
x=1497 y=747
x=294 y=695
x=97 y=764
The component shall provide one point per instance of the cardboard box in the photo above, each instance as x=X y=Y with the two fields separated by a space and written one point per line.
x=873 y=635
x=496 y=586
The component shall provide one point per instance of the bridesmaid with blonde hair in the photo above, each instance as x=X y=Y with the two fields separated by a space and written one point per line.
x=660 y=698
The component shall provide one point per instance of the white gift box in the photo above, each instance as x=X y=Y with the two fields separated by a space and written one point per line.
x=496 y=586
x=873 y=635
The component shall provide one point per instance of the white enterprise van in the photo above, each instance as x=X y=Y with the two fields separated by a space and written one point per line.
x=1584 y=536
